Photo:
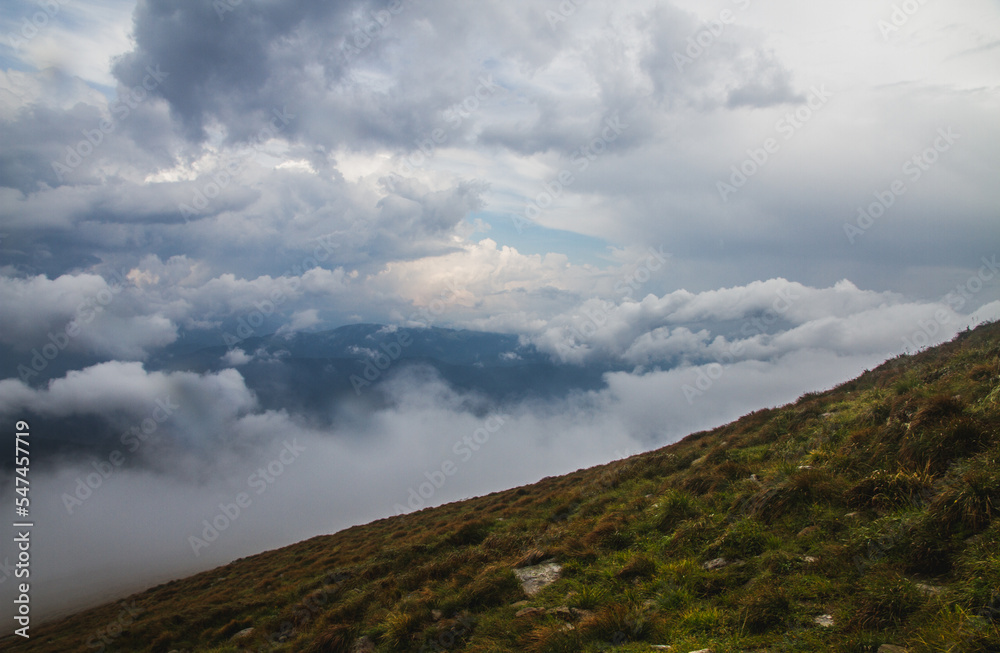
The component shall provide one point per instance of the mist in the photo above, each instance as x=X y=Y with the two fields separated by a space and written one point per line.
x=266 y=479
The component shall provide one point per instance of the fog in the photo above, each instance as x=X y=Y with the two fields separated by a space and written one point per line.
x=98 y=538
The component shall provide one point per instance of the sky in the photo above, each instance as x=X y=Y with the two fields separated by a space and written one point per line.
x=729 y=202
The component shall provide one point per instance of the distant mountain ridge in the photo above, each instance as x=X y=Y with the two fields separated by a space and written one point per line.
x=314 y=374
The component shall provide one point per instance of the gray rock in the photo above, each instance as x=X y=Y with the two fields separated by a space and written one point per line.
x=246 y=632
x=718 y=563
x=536 y=577
x=363 y=645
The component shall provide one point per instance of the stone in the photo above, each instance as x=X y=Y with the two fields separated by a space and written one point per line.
x=718 y=563
x=891 y=648
x=246 y=632
x=929 y=590
x=363 y=645
x=562 y=612
x=810 y=560
x=824 y=620
x=533 y=579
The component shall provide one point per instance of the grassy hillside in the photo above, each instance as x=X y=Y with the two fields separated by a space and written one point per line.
x=861 y=516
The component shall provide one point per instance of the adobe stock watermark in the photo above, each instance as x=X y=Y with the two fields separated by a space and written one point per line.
x=707 y=375
x=382 y=359
x=464 y=449
x=86 y=312
x=454 y=116
x=914 y=169
x=120 y=110
x=901 y=15
x=581 y=158
x=248 y=324
x=365 y=35
x=259 y=482
x=210 y=190
x=132 y=439
x=957 y=299
x=703 y=40
x=642 y=273
x=565 y=10
x=33 y=26
x=787 y=127
x=223 y=7
x=113 y=630
x=596 y=318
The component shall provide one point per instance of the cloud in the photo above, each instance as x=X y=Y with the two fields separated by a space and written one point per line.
x=80 y=313
x=763 y=321
x=300 y=321
x=236 y=357
x=388 y=462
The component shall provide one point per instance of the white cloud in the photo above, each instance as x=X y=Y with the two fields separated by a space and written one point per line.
x=236 y=357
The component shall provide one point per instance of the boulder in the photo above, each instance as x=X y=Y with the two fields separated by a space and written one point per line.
x=718 y=563
x=246 y=632
x=536 y=577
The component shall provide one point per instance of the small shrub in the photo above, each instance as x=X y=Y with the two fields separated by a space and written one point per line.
x=400 y=625
x=469 y=534
x=495 y=585
x=163 y=643
x=953 y=627
x=336 y=639
x=675 y=508
x=779 y=563
x=884 y=490
x=883 y=602
x=588 y=597
x=617 y=623
x=553 y=638
x=610 y=533
x=703 y=620
x=936 y=409
x=744 y=539
x=970 y=502
x=638 y=567
x=731 y=470
x=764 y=610
x=702 y=482
x=937 y=446
x=803 y=487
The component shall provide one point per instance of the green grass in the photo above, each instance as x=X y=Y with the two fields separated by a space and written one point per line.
x=875 y=502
